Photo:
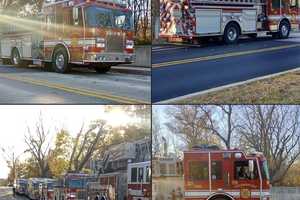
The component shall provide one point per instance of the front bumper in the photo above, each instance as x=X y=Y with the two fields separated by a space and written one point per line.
x=109 y=58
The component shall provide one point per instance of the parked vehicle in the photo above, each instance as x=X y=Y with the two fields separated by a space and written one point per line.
x=191 y=20
x=225 y=174
x=21 y=186
x=46 y=189
x=33 y=192
x=139 y=181
x=92 y=33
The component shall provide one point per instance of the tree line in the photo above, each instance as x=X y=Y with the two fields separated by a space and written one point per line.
x=273 y=130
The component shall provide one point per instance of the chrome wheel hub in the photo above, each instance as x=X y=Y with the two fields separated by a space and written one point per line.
x=284 y=30
x=232 y=34
x=60 y=61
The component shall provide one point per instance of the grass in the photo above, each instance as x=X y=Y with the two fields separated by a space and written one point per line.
x=282 y=89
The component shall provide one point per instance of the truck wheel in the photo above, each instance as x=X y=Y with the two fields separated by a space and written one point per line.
x=60 y=61
x=284 y=30
x=102 y=69
x=231 y=34
x=47 y=66
x=6 y=61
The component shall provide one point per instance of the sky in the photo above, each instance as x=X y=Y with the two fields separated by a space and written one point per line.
x=160 y=113
x=14 y=121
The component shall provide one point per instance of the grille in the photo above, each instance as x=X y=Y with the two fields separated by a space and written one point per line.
x=81 y=195
x=114 y=43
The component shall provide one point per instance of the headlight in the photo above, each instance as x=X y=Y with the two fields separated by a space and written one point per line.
x=100 y=45
x=100 y=40
x=129 y=44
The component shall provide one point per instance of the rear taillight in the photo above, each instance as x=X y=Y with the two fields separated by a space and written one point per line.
x=129 y=44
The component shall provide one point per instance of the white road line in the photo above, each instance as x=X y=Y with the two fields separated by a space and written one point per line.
x=176 y=99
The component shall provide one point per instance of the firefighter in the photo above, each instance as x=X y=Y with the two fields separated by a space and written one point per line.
x=243 y=174
x=14 y=190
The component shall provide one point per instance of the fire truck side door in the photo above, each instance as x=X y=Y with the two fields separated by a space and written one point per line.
x=77 y=35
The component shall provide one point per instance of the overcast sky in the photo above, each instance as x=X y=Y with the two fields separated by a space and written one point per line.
x=14 y=121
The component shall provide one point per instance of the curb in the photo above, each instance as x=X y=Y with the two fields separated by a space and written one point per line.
x=146 y=71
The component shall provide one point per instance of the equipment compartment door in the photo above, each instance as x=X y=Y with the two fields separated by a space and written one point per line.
x=26 y=46
x=249 y=20
x=208 y=21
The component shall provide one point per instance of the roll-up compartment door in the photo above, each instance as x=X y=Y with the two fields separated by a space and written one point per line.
x=249 y=20
x=208 y=21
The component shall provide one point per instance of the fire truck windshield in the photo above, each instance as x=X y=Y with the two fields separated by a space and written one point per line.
x=108 y=18
x=75 y=183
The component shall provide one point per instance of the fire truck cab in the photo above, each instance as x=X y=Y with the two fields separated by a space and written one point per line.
x=93 y=33
x=211 y=174
x=139 y=181
x=191 y=20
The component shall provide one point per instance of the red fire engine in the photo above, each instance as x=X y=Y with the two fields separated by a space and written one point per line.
x=189 y=20
x=72 y=186
x=94 y=33
x=139 y=181
x=211 y=174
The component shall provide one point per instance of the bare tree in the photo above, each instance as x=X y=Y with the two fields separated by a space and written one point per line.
x=189 y=122
x=12 y=161
x=85 y=145
x=220 y=122
x=39 y=146
x=155 y=134
x=275 y=131
x=141 y=17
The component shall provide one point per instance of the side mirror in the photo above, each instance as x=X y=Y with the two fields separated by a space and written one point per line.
x=251 y=166
x=76 y=14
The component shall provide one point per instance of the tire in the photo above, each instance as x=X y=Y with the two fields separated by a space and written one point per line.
x=6 y=61
x=284 y=30
x=47 y=66
x=102 y=69
x=231 y=33
x=60 y=60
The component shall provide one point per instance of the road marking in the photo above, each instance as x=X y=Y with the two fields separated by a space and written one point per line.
x=213 y=57
x=216 y=89
x=166 y=49
x=81 y=91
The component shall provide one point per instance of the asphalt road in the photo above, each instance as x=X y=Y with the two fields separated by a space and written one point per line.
x=179 y=70
x=82 y=86
x=7 y=194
